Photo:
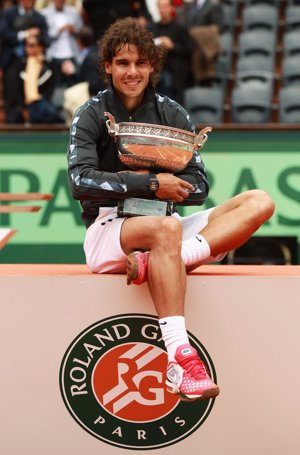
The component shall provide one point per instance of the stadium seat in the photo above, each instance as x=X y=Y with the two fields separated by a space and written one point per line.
x=257 y=43
x=262 y=2
x=291 y=70
x=289 y=104
x=260 y=17
x=292 y=17
x=250 y=105
x=223 y=64
x=205 y=105
x=253 y=78
x=255 y=62
x=229 y=15
x=291 y=43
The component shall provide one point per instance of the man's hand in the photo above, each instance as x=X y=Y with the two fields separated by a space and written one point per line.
x=68 y=68
x=172 y=188
x=166 y=42
x=67 y=28
x=32 y=31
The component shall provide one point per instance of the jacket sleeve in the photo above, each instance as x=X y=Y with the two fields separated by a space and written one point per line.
x=7 y=32
x=195 y=174
x=87 y=181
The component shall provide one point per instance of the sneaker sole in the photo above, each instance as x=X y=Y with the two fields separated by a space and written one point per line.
x=212 y=393
x=132 y=268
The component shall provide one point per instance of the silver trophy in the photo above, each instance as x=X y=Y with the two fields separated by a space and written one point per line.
x=149 y=146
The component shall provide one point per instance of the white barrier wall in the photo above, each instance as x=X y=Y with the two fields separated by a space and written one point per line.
x=69 y=347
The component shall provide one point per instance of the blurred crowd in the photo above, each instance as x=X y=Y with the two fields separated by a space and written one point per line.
x=49 y=54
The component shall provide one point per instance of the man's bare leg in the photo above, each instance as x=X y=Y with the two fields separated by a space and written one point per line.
x=162 y=236
x=230 y=225
x=186 y=373
x=166 y=274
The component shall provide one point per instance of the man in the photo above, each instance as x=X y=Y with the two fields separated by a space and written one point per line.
x=38 y=83
x=158 y=249
x=175 y=39
x=88 y=79
x=102 y=13
x=18 y=23
x=64 y=22
x=201 y=12
x=88 y=61
x=204 y=20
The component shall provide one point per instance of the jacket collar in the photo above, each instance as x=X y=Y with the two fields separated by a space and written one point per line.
x=117 y=108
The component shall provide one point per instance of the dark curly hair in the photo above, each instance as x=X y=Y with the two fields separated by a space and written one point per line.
x=128 y=31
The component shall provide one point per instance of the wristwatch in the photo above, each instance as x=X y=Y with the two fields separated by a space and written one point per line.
x=153 y=184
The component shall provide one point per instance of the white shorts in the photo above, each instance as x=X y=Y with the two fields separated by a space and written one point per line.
x=102 y=246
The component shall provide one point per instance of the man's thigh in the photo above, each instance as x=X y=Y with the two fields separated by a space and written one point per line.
x=193 y=224
x=102 y=246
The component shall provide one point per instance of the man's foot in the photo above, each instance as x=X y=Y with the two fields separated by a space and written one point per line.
x=187 y=376
x=137 y=265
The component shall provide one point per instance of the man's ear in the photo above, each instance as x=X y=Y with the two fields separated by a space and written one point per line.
x=107 y=67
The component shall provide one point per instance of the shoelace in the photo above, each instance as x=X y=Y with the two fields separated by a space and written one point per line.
x=194 y=366
x=142 y=264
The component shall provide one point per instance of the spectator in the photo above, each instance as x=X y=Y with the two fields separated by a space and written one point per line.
x=175 y=39
x=4 y=4
x=89 y=82
x=64 y=22
x=38 y=83
x=89 y=61
x=201 y=13
x=102 y=13
x=204 y=20
x=40 y=4
x=17 y=23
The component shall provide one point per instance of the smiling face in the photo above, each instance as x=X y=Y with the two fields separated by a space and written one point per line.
x=130 y=75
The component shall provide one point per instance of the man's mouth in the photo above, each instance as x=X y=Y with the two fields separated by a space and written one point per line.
x=131 y=83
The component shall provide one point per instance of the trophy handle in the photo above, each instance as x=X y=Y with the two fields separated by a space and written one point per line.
x=202 y=137
x=111 y=124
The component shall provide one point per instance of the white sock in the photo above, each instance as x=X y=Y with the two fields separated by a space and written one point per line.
x=174 y=334
x=195 y=250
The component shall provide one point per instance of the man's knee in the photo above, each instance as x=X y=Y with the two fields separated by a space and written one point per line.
x=169 y=230
x=261 y=206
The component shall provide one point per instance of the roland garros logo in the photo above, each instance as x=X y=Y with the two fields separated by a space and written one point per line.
x=112 y=383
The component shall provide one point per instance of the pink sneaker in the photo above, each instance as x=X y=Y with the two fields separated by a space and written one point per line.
x=137 y=265
x=187 y=376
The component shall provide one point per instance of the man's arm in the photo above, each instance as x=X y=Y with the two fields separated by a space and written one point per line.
x=190 y=187
x=87 y=181
x=7 y=32
x=195 y=174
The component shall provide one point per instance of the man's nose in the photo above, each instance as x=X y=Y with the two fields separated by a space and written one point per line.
x=132 y=69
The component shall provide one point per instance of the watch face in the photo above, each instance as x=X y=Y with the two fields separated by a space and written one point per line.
x=153 y=185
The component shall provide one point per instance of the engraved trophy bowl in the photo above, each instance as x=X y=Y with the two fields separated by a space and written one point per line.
x=150 y=146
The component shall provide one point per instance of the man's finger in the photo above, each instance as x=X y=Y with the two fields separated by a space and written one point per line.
x=187 y=185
